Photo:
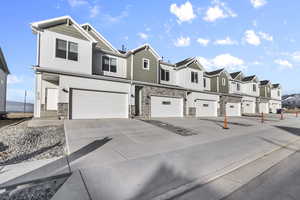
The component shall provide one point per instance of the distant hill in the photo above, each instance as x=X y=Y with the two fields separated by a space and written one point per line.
x=14 y=106
x=291 y=101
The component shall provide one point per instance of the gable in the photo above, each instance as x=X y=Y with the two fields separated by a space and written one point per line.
x=66 y=29
x=196 y=65
x=239 y=77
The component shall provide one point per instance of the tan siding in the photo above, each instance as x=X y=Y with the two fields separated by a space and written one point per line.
x=194 y=66
x=223 y=89
x=214 y=84
x=100 y=43
x=67 y=30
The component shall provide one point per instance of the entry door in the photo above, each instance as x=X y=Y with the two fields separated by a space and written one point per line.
x=233 y=109
x=166 y=107
x=52 y=95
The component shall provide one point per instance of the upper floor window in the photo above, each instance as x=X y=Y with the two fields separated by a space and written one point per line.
x=204 y=82
x=278 y=93
x=109 y=64
x=63 y=52
x=238 y=87
x=164 y=75
x=223 y=81
x=194 y=77
x=146 y=64
x=254 y=87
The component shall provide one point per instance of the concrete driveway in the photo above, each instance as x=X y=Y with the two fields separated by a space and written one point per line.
x=142 y=160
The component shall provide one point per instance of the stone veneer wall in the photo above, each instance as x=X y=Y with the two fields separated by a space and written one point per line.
x=132 y=109
x=63 y=110
x=192 y=112
x=148 y=91
x=229 y=99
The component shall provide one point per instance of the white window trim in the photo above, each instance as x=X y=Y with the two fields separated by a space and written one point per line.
x=223 y=82
x=195 y=72
x=166 y=70
x=67 y=50
x=145 y=59
x=109 y=56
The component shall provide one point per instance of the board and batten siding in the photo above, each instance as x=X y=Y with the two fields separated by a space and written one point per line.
x=223 y=88
x=140 y=74
x=69 y=30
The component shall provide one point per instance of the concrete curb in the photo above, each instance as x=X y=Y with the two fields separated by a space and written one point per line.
x=228 y=169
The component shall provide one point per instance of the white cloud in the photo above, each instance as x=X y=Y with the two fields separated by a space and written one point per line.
x=76 y=3
x=284 y=63
x=218 y=10
x=258 y=3
x=184 y=12
x=182 y=42
x=296 y=56
x=266 y=36
x=203 y=41
x=94 y=11
x=143 y=36
x=13 y=79
x=252 y=38
x=231 y=63
x=226 y=41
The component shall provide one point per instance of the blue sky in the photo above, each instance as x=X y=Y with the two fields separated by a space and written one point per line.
x=259 y=37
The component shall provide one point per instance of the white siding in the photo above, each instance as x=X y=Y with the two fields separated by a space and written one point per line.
x=248 y=89
x=184 y=79
x=274 y=93
x=233 y=88
x=207 y=88
x=67 y=82
x=48 y=59
x=121 y=66
x=172 y=80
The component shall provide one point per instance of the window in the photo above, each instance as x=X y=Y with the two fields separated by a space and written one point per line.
x=278 y=93
x=61 y=49
x=146 y=64
x=254 y=88
x=164 y=75
x=109 y=64
x=238 y=87
x=70 y=53
x=205 y=105
x=204 y=82
x=166 y=102
x=223 y=81
x=194 y=77
x=73 y=51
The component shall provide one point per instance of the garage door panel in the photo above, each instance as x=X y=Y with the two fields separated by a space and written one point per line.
x=264 y=108
x=233 y=109
x=206 y=108
x=249 y=107
x=166 y=107
x=97 y=104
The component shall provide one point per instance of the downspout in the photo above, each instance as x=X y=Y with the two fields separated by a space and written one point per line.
x=131 y=83
x=38 y=48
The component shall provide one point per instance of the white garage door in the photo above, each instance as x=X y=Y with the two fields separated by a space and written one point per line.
x=249 y=107
x=166 y=107
x=264 y=108
x=206 y=108
x=233 y=109
x=274 y=107
x=96 y=104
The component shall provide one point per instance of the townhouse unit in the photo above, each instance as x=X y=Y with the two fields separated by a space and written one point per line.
x=4 y=71
x=80 y=75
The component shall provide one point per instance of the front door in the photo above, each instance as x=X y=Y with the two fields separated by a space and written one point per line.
x=51 y=101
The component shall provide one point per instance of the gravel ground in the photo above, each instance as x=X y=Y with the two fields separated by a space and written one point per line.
x=41 y=191
x=22 y=143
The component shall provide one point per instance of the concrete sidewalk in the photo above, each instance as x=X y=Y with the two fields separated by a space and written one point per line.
x=144 y=168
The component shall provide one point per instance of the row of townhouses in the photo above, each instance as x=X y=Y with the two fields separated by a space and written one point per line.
x=80 y=75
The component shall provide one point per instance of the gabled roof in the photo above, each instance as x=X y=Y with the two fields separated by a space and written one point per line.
x=235 y=74
x=214 y=73
x=142 y=47
x=277 y=85
x=188 y=61
x=264 y=82
x=248 y=78
x=166 y=63
x=40 y=25
x=97 y=36
x=3 y=64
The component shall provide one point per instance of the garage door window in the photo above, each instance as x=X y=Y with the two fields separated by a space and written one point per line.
x=231 y=106
x=205 y=105
x=166 y=102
